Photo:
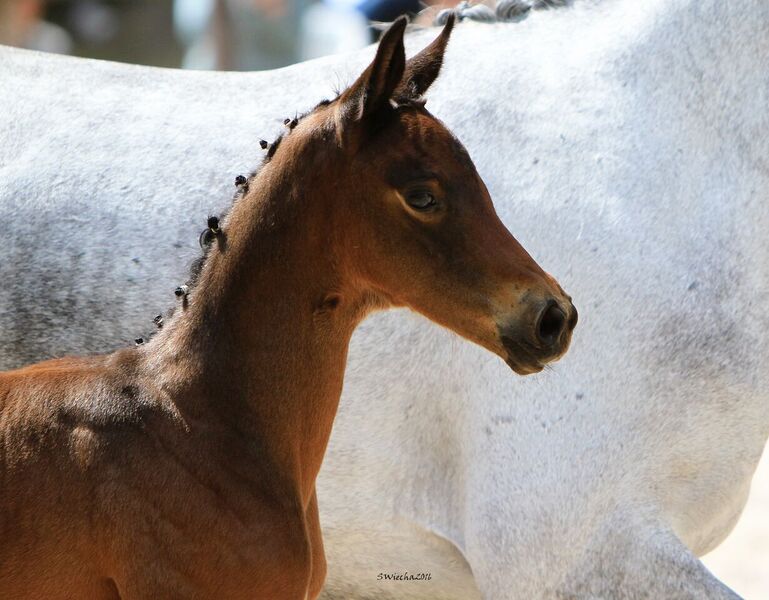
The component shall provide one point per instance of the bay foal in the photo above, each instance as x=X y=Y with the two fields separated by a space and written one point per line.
x=185 y=468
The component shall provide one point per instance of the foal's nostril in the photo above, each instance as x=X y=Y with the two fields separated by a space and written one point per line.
x=551 y=323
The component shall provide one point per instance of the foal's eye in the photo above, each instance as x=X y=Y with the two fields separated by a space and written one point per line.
x=421 y=200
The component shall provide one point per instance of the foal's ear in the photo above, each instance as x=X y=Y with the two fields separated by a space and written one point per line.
x=372 y=91
x=422 y=69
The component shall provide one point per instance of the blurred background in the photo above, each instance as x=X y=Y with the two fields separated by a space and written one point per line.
x=198 y=34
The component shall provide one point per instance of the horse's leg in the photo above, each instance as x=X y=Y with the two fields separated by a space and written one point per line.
x=637 y=557
x=625 y=556
x=642 y=560
x=318 y=575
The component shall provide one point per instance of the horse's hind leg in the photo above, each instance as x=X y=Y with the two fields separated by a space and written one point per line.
x=629 y=556
x=647 y=561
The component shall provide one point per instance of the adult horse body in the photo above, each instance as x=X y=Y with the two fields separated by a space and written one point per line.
x=624 y=140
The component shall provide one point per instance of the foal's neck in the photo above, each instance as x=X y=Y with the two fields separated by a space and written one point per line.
x=262 y=343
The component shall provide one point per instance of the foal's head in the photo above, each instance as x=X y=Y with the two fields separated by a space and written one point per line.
x=415 y=221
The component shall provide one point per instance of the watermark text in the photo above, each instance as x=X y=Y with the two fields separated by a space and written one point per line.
x=404 y=576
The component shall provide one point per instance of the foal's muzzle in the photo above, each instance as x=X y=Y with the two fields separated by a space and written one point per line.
x=529 y=349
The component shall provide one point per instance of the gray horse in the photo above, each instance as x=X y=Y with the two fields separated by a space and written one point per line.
x=625 y=142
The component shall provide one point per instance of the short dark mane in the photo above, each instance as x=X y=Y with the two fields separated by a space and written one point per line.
x=197 y=265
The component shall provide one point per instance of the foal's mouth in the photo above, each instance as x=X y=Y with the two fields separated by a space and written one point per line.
x=525 y=358
x=522 y=368
x=519 y=358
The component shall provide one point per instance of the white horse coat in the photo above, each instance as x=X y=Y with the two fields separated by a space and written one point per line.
x=625 y=145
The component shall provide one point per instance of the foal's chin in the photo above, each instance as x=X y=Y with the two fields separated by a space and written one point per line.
x=526 y=359
x=522 y=367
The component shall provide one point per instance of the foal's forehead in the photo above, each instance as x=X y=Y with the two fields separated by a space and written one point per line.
x=411 y=132
x=420 y=122
x=427 y=136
